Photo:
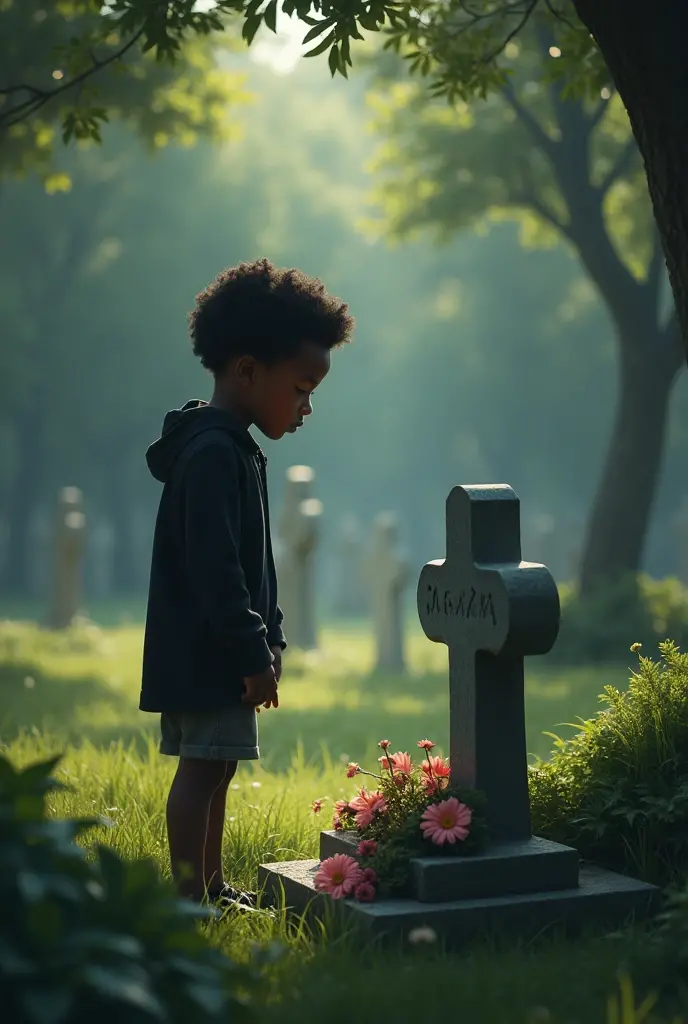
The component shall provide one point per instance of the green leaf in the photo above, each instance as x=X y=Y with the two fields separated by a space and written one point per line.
x=130 y=984
x=47 y=1005
x=270 y=15
x=317 y=30
x=322 y=46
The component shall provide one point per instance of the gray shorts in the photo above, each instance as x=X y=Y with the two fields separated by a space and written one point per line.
x=227 y=735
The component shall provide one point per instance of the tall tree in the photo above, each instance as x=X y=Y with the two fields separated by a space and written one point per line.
x=568 y=169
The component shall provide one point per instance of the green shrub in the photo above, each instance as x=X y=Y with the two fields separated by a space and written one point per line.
x=597 y=629
x=618 y=789
x=88 y=938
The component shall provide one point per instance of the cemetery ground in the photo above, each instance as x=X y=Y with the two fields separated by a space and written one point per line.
x=77 y=693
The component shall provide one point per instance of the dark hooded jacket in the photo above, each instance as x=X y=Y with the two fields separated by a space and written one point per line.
x=212 y=603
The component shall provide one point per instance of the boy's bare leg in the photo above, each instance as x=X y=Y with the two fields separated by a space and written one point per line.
x=214 y=878
x=188 y=812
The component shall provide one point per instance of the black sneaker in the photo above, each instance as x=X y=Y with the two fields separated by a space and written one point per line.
x=229 y=897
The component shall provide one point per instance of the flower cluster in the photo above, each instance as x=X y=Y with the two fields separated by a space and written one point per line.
x=411 y=810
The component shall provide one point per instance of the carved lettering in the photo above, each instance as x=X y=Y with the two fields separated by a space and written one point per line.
x=467 y=604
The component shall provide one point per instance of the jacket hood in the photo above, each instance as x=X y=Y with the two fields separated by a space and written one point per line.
x=180 y=426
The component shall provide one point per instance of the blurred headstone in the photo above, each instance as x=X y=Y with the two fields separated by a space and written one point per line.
x=349 y=600
x=70 y=540
x=387 y=571
x=39 y=554
x=100 y=556
x=298 y=532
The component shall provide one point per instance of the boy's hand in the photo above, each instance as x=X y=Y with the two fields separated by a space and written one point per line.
x=261 y=689
x=277 y=663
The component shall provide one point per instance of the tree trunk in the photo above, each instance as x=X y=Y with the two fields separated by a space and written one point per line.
x=620 y=516
x=28 y=479
x=644 y=47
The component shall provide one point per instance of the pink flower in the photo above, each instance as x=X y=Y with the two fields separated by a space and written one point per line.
x=446 y=821
x=338 y=875
x=426 y=744
x=367 y=805
x=340 y=806
x=366 y=848
x=352 y=769
x=430 y=785
x=401 y=762
x=384 y=744
x=365 y=892
x=317 y=806
x=337 y=823
x=437 y=766
x=369 y=876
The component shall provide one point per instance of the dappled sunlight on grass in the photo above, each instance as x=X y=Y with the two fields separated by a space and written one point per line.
x=84 y=684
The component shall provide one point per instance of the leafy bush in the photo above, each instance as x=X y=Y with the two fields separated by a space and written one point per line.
x=86 y=938
x=597 y=629
x=662 y=960
x=618 y=789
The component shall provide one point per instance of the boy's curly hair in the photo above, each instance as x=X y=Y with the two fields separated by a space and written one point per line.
x=260 y=310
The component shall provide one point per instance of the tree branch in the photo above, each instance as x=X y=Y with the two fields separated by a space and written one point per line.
x=531 y=123
x=623 y=163
x=39 y=97
x=545 y=211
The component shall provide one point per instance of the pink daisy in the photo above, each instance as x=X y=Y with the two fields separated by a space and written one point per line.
x=384 y=744
x=426 y=744
x=337 y=823
x=340 y=806
x=367 y=805
x=365 y=892
x=437 y=766
x=446 y=822
x=369 y=876
x=366 y=848
x=317 y=806
x=401 y=762
x=338 y=875
x=352 y=769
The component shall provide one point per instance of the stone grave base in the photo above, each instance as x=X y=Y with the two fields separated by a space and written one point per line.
x=520 y=888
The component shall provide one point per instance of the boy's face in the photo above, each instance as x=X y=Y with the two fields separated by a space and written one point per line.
x=279 y=396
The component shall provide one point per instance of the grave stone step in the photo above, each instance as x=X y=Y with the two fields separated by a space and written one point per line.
x=602 y=898
x=504 y=869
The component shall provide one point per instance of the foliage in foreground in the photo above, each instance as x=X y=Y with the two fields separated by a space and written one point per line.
x=85 y=938
x=618 y=789
x=595 y=630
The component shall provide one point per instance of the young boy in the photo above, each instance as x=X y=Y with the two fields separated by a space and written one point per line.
x=213 y=643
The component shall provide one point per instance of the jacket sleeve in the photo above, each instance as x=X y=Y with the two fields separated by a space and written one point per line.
x=275 y=633
x=212 y=529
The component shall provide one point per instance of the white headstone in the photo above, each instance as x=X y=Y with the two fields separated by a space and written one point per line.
x=101 y=552
x=70 y=539
x=299 y=531
x=349 y=600
x=387 y=574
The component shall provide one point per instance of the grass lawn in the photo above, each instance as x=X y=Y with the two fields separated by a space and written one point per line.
x=77 y=694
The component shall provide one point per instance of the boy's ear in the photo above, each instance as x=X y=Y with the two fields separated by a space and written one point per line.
x=246 y=370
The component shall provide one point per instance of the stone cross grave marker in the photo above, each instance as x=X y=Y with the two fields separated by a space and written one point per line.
x=490 y=609
x=388 y=574
x=299 y=532
x=70 y=537
x=349 y=595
